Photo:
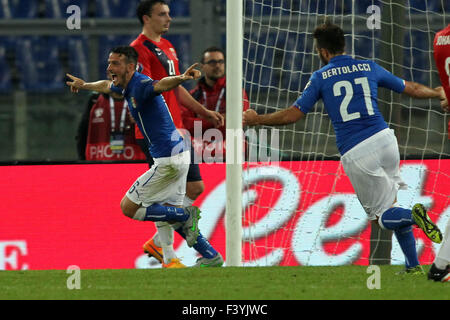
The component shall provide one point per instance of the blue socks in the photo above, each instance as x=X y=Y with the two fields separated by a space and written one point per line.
x=407 y=242
x=395 y=218
x=400 y=221
x=157 y=212
x=202 y=246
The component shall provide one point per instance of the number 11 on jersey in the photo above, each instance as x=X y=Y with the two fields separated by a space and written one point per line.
x=171 y=68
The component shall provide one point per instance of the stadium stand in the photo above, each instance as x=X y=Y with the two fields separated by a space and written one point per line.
x=77 y=56
x=5 y=74
x=179 y=8
x=37 y=59
x=57 y=9
x=115 y=9
x=18 y=9
x=127 y=9
x=72 y=52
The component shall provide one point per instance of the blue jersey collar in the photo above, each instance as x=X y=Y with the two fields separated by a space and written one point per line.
x=133 y=78
x=339 y=57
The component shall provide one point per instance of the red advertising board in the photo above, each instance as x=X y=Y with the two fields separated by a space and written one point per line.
x=296 y=213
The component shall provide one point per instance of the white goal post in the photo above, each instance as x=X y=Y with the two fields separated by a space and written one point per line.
x=233 y=215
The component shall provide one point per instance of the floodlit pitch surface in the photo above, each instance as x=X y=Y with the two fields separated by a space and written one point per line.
x=228 y=283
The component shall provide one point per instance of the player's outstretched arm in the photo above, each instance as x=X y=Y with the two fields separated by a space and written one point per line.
x=186 y=99
x=417 y=90
x=282 y=117
x=169 y=83
x=444 y=100
x=76 y=84
x=420 y=91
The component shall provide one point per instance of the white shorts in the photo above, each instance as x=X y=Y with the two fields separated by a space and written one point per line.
x=373 y=169
x=164 y=182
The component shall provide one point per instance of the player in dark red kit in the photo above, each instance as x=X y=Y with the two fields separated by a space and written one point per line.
x=158 y=59
x=440 y=269
x=441 y=46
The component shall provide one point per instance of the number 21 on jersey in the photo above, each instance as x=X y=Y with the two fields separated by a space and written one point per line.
x=348 y=96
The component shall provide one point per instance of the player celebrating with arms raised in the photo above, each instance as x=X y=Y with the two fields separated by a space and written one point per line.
x=158 y=194
x=158 y=59
x=369 y=150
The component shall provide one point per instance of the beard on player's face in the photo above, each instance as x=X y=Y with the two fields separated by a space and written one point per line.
x=120 y=74
x=322 y=57
x=118 y=77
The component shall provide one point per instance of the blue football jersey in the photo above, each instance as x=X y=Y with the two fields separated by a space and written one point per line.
x=349 y=91
x=152 y=116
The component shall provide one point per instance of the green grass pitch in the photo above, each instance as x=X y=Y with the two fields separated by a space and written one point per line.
x=228 y=283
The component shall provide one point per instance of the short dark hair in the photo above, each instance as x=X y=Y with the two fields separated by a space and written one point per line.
x=131 y=55
x=331 y=37
x=211 y=49
x=145 y=8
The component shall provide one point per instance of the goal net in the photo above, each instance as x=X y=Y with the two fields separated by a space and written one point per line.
x=302 y=210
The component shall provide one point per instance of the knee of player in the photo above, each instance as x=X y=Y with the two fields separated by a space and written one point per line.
x=127 y=209
x=194 y=189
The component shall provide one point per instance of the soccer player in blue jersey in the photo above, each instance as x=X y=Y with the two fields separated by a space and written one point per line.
x=158 y=194
x=368 y=148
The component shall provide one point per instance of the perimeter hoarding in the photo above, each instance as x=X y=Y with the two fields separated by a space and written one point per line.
x=296 y=213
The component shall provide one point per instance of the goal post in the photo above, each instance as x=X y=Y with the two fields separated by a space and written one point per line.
x=234 y=148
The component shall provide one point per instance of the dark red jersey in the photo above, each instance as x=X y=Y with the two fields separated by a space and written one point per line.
x=441 y=46
x=158 y=60
x=213 y=98
x=104 y=130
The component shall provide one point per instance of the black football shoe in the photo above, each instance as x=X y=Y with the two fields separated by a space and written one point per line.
x=438 y=274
